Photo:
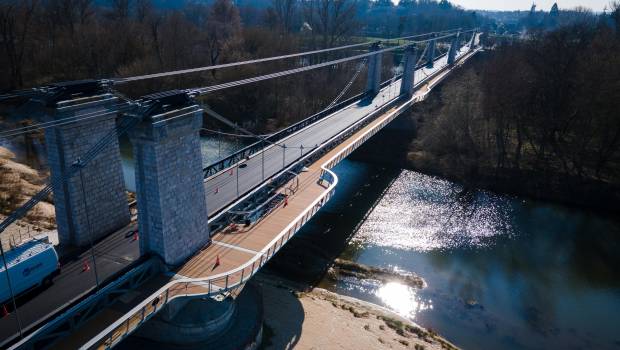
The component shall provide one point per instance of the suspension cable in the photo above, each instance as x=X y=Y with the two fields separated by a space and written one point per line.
x=231 y=134
x=349 y=84
x=117 y=81
x=205 y=90
x=118 y=108
x=200 y=91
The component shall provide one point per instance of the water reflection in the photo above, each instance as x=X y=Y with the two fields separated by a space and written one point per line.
x=402 y=299
x=502 y=272
x=434 y=214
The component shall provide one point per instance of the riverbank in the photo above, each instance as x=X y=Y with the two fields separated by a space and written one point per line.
x=18 y=183
x=319 y=319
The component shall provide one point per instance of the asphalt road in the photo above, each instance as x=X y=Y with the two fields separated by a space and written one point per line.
x=112 y=254
x=225 y=187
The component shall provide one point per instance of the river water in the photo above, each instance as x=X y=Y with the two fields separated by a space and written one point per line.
x=501 y=272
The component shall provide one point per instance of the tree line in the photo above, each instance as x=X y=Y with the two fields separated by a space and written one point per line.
x=538 y=115
x=47 y=41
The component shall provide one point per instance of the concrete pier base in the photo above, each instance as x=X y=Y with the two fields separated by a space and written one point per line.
x=204 y=324
x=191 y=321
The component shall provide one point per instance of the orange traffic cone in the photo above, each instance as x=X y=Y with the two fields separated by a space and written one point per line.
x=85 y=266
x=5 y=312
x=217 y=261
x=135 y=236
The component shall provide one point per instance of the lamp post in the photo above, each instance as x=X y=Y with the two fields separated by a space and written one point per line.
x=237 y=180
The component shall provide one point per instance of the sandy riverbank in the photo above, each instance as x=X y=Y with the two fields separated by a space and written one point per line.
x=18 y=183
x=320 y=319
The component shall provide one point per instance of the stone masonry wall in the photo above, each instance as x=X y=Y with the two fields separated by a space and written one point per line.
x=373 y=80
x=172 y=208
x=105 y=205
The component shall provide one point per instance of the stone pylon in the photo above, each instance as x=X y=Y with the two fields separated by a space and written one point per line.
x=430 y=54
x=172 y=205
x=93 y=203
x=408 y=80
x=373 y=80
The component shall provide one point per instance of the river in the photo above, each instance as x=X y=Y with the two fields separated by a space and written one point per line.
x=502 y=272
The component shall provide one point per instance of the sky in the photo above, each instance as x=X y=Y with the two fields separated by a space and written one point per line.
x=596 y=5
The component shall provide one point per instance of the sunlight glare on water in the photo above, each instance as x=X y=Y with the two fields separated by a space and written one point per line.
x=434 y=214
x=402 y=299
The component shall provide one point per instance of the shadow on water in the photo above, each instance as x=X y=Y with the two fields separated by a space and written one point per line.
x=311 y=252
x=328 y=235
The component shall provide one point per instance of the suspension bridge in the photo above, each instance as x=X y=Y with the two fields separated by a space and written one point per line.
x=203 y=232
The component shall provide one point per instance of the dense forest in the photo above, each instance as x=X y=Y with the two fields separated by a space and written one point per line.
x=539 y=115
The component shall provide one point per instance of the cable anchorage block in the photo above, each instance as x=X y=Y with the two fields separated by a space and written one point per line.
x=53 y=93
x=161 y=102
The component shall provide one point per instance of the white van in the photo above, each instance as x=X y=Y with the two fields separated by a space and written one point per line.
x=30 y=265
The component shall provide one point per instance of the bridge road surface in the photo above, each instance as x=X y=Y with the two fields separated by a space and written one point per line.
x=221 y=188
x=112 y=254
x=233 y=247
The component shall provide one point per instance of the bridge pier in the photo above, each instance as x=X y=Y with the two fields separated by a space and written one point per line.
x=430 y=54
x=80 y=219
x=472 y=41
x=453 y=49
x=172 y=205
x=205 y=323
x=190 y=321
x=408 y=80
x=373 y=79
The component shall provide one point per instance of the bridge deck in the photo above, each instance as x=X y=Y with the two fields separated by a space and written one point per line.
x=233 y=248
x=226 y=186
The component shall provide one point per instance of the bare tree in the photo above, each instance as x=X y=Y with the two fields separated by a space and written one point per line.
x=15 y=21
x=223 y=29
x=284 y=11
x=333 y=20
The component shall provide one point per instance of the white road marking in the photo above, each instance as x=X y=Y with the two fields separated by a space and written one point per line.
x=232 y=246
